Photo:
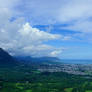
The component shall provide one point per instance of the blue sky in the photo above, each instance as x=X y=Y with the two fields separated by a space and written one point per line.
x=53 y=28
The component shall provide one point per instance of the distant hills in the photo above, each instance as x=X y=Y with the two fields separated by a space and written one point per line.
x=6 y=59
x=43 y=64
x=41 y=60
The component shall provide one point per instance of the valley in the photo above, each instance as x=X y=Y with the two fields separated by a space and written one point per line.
x=43 y=75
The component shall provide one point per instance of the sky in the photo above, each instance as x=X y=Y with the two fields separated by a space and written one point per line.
x=53 y=28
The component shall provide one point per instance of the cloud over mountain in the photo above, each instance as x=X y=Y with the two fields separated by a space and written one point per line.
x=22 y=39
x=19 y=36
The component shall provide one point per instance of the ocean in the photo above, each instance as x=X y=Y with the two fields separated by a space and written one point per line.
x=76 y=61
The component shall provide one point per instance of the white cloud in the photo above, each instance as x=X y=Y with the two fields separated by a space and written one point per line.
x=36 y=34
x=43 y=50
x=19 y=38
x=55 y=53
x=53 y=11
x=81 y=26
x=75 y=10
x=22 y=37
x=76 y=13
x=39 y=11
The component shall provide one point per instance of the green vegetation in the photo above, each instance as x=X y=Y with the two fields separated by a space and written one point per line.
x=26 y=79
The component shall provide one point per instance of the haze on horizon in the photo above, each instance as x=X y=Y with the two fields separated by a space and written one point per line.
x=51 y=28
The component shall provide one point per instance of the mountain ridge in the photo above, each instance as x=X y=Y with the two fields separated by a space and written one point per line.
x=6 y=59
